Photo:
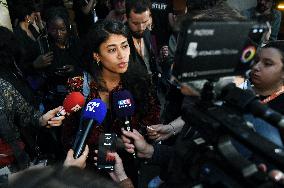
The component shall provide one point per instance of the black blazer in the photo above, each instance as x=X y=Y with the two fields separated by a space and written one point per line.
x=135 y=56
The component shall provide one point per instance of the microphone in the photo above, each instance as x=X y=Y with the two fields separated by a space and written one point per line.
x=247 y=101
x=123 y=107
x=72 y=103
x=96 y=111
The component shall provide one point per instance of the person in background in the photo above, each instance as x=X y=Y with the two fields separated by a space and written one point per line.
x=265 y=11
x=67 y=53
x=17 y=109
x=85 y=15
x=178 y=8
x=118 y=11
x=142 y=47
x=160 y=28
x=267 y=75
x=266 y=81
x=66 y=49
x=27 y=36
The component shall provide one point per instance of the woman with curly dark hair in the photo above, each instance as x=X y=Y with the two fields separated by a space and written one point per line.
x=110 y=70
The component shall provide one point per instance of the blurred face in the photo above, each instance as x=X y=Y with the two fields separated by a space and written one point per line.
x=119 y=6
x=138 y=23
x=114 y=54
x=264 y=5
x=267 y=71
x=58 y=31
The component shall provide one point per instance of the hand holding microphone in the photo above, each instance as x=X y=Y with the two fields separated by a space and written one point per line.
x=50 y=118
x=135 y=141
x=80 y=162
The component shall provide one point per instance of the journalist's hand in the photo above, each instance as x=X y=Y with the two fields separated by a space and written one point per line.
x=118 y=174
x=49 y=119
x=79 y=162
x=144 y=150
x=159 y=132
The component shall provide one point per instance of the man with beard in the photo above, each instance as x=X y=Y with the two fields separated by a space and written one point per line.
x=265 y=12
x=141 y=44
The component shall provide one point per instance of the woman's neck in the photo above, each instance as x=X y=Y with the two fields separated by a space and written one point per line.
x=268 y=91
x=111 y=79
x=25 y=27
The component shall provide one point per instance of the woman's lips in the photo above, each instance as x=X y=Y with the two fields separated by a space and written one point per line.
x=122 y=64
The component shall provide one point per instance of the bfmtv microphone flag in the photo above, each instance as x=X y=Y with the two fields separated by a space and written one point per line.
x=95 y=110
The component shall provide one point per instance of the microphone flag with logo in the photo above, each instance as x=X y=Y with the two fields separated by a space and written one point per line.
x=123 y=107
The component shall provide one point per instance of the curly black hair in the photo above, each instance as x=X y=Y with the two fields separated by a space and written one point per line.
x=135 y=79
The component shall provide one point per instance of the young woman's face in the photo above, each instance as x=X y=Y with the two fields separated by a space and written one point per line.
x=267 y=70
x=58 y=30
x=114 y=54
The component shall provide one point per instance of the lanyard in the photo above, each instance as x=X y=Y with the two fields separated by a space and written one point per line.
x=273 y=96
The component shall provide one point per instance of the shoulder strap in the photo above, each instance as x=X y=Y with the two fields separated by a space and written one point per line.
x=86 y=84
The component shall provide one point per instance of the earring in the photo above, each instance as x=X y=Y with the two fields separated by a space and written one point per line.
x=98 y=62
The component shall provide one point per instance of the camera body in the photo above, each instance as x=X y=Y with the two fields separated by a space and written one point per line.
x=205 y=151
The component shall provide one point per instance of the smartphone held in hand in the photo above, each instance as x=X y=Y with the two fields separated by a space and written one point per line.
x=107 y=148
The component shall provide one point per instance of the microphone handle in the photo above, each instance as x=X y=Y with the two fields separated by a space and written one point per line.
x=58 y=114
x=82 y=142
x=128 y=127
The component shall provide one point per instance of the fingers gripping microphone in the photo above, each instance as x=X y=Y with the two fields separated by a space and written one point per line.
x=72 y=103
x=123 y=106
x=95 y=111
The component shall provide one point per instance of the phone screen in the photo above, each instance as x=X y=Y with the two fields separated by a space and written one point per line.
x=107 y=146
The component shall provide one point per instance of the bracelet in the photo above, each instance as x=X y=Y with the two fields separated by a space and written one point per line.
x=174 y=133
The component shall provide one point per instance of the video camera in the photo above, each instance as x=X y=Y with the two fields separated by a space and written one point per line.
x=208 y=142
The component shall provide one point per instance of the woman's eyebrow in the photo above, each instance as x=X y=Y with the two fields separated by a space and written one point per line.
x=113 y=45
